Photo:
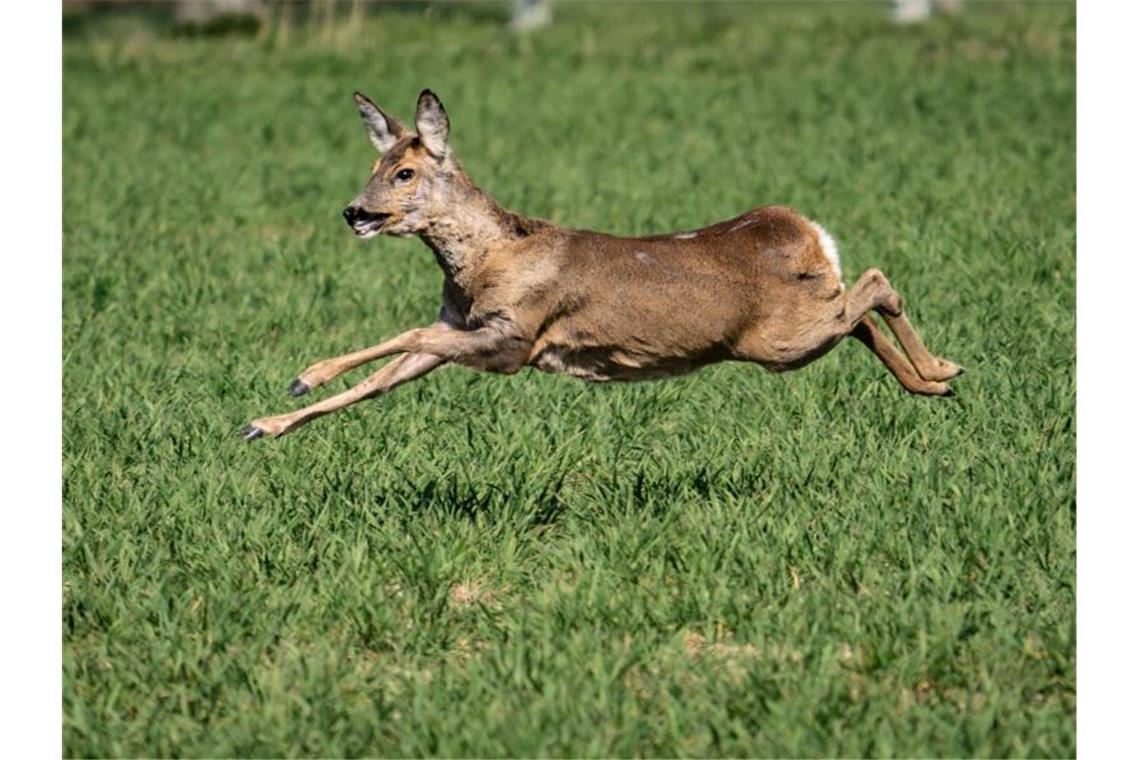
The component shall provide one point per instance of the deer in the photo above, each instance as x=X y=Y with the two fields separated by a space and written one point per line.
x=764 y=287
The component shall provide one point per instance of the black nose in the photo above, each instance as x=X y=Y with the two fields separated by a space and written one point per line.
x=351 y=214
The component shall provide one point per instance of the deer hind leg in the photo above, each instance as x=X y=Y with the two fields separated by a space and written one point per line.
x=867 y=333
x=872 y=292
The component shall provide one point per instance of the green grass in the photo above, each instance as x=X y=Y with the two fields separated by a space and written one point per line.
x=733 y=563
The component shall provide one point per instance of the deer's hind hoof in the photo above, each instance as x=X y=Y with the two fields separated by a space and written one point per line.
x=299 y=388
x=251 y=432
x=942 y=371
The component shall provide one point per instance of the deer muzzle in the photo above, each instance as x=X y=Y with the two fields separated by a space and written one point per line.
x=364 y=223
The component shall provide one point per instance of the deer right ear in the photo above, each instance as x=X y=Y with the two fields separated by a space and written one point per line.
x=383 y=130
x=432 y=124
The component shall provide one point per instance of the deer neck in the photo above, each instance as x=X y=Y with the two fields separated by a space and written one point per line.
x=471 y=227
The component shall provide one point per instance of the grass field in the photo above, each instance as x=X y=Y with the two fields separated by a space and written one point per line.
x=734 y=563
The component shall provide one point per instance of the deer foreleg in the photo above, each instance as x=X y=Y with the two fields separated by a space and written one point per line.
x=398 y=371
x=493 y=348
x=328 y=369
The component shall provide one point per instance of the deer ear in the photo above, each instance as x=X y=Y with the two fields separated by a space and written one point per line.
x=383 y=130
x=432 y=123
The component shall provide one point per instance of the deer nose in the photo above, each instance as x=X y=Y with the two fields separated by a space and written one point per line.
x=351 y=213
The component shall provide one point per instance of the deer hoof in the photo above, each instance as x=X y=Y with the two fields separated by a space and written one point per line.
x=299 y=388
x=945 y=370
x=251 y=432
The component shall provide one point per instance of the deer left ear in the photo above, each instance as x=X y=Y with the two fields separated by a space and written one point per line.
x=383 y=130
x=432 y=123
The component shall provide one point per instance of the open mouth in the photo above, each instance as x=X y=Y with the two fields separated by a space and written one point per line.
x=369 y=226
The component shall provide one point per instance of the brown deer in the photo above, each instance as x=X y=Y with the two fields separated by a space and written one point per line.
x=763 y=287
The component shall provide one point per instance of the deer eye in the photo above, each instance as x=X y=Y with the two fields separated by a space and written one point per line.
x=405 y=174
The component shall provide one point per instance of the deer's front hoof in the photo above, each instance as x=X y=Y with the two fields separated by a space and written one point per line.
x=299 y=388
x=251 y=432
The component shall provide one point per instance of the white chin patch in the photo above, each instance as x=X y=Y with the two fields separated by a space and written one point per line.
x=366 y=233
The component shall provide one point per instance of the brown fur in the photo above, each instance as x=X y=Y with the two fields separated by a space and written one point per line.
x=523 y=292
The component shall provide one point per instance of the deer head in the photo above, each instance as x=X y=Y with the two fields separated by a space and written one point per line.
x=412 y=180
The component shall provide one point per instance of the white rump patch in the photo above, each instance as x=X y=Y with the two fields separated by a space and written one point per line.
x=830 y=249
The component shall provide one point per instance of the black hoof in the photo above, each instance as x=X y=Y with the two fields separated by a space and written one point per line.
x=949 y=393
x=298 y=388
x=250 y=432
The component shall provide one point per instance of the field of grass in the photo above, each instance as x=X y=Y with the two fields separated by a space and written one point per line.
x=734 y=563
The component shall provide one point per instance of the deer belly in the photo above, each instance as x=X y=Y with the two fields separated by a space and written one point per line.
x=602 y=364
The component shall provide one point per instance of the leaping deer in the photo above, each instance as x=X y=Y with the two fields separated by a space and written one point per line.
x=764 y=287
